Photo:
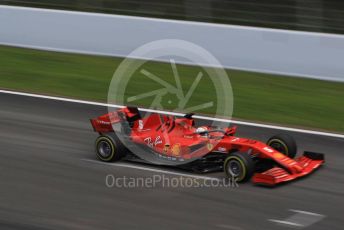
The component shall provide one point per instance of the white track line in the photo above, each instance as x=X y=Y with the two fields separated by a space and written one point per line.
x=300 y=219
x=177 y=114
x=305 y=212
x=150 y=169
x=286 y=222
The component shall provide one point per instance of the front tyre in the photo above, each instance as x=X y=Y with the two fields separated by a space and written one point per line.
x=283 y=143
x=108 y=148
x=239 y=166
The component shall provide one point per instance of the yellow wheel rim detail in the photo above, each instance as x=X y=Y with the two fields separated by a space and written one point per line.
x=280 y=142
x=242 y=166
x=112 y=147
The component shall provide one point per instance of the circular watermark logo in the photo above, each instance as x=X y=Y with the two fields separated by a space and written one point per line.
x=160 y=85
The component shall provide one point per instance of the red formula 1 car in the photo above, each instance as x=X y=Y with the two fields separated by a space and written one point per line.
x=168 y=140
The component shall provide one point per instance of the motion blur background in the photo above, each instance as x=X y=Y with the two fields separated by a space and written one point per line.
x=257 y=60
x=306 y=15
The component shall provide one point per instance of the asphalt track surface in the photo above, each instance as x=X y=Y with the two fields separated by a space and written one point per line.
x=50 y=179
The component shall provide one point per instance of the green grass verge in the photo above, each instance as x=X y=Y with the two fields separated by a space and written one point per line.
x=267 y=98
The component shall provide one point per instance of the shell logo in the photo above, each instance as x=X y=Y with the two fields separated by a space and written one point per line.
x=175 y=150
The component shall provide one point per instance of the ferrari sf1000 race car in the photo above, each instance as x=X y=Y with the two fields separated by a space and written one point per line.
x=168 y=140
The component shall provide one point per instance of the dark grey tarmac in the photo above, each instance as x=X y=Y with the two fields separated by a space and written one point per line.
x=49 y=181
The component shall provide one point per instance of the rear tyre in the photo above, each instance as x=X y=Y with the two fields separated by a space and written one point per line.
x=283 y=143
x=239 y=166
x=109 y=148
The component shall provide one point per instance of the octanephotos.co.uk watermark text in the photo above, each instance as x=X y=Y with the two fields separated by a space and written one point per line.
x=163 y=181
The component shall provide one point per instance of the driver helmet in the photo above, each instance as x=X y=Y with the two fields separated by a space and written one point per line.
x=202 y=131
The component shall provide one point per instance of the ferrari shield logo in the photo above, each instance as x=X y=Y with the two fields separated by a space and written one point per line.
x=210 y=146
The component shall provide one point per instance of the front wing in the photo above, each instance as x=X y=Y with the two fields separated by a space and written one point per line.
x=276 y=175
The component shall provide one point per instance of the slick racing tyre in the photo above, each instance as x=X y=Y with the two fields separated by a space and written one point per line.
x=283 y=143
x=109 y=148
x=239 y=166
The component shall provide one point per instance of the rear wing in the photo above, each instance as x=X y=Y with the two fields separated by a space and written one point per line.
x=103 y=124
